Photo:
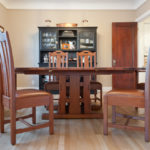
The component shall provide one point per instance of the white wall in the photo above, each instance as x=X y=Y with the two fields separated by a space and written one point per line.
x=143 y=44
x=3 y=16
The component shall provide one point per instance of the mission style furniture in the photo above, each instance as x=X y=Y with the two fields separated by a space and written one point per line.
x=57 y=59
x=13 y=99
x=134 y=98
x=66 y=39
x=87 y=59
x=79 y=107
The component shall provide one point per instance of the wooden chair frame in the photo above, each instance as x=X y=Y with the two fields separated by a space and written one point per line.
x=14 y=100
x=87 y=59
x=138 y=101
x=57 y=59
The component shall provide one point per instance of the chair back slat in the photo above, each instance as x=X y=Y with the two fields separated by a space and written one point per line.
x=6 y=66
x=57 y=59
x=86 y=59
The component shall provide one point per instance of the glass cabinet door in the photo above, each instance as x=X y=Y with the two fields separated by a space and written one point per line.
x=87 y=40
x=48 y=40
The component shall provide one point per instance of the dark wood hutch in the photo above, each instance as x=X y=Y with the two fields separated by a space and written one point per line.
x=68 y=39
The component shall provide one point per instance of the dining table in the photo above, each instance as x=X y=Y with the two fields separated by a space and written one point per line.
x=79 y=107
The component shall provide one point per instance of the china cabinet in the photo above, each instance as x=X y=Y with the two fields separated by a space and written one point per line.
x=68 y=39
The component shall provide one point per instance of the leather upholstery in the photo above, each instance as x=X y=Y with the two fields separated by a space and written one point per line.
x=26 y=93
x=30 y=97
x=126 y=98
x=126 y=93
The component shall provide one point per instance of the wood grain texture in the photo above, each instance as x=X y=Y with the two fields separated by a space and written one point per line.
x=134 y=98
x=75 y=94
x=95 y=70
x=78 y=134
x=13 y=99
x=124 y=53
x=75 y=74
x=87 y=59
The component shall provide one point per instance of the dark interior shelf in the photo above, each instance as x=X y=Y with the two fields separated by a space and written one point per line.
x=86 y=44
x=64 y=37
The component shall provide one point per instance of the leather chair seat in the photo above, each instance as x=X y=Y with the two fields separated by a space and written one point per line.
x=131 y=93
x=25 y=93
x=120 y=97
x=31 y=97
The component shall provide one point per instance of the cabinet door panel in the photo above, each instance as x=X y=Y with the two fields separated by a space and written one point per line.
x=87 y=39
x=48 y=39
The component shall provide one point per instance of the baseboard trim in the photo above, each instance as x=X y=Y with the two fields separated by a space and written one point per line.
x=19 y=88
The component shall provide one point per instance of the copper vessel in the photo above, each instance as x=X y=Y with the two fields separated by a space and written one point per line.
x=66 y=25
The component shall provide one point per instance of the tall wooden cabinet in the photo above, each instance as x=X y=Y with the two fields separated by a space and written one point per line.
x=68 y=39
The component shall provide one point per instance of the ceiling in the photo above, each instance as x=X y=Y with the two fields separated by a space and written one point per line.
x=73 y=4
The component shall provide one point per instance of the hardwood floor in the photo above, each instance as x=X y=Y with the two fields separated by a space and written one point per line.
x=77 y=134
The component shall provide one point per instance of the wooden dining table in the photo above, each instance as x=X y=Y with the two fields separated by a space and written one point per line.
x=74 y=83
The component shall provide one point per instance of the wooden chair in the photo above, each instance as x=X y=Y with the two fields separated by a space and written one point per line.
x=141 y=86
x=14 y=99
x=57 y=59
x=135 y=98
x=87 y=59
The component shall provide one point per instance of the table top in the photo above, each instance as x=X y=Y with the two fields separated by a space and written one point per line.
x=97 y=70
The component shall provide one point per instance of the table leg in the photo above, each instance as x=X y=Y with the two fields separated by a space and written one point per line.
x=62 y=92
x=74 y=107
x=74 y=99
x=86 y=94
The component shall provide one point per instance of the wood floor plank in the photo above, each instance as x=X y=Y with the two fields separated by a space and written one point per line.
x=77 y=134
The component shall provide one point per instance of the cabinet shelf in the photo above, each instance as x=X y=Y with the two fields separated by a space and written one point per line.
x=68 y=50
x=87 y=44
x=65 y=37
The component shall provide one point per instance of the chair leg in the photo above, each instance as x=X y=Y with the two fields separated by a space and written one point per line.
x=13 y=125
x=51 y=116
x=95 y=93
x=101 y=97
x=136 y=108
x=113 y=114
x=147 y=125
x=34 y=115
x=105 y=120
x=1 y=118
